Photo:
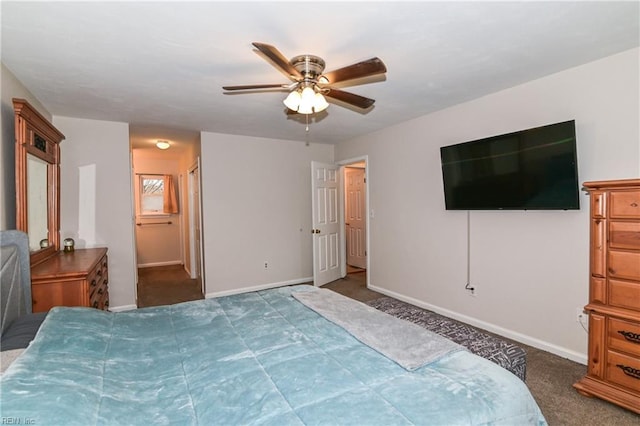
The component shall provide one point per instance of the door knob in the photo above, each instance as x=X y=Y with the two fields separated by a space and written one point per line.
x=315 y=231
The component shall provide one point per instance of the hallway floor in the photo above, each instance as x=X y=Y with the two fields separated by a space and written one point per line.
x=166 y=285
x=354 y=285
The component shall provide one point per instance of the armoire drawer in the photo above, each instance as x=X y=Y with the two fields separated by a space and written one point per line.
x=623 y=370
x=624 y=204
x=624 y=294
x=624 y=336
x=624 y=264
x=624 y=235
x=598 y=204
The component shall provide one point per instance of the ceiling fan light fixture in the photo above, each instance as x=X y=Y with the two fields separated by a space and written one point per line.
x=305 y=108
x=293 y=101
x=306 y=101
x=320 y=103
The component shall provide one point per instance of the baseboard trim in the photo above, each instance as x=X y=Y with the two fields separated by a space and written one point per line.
x=258 y=287
x=123 y=308
x=151 y=265
x=514 y=335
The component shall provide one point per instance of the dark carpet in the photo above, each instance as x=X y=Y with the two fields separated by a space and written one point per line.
x=166 y=285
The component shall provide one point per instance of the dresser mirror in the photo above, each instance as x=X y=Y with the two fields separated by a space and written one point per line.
x=37 y=180
x=37 y=203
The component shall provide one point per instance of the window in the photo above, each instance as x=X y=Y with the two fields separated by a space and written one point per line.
x=151 y=195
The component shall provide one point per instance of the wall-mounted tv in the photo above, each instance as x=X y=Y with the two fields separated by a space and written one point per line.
x=533 y=169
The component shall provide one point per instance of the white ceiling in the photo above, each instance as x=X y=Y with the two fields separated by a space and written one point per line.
x=160 y=66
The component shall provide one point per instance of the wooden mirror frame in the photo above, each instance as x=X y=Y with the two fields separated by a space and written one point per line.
x=35 y=135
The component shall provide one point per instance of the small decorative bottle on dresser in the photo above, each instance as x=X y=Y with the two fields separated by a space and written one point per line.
x=613 y=371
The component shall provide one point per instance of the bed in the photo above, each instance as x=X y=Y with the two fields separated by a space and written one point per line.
x=18 y=325
x=256 y=358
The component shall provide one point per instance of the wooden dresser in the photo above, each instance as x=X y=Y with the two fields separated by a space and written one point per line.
x=78 y=278
x=613 y=371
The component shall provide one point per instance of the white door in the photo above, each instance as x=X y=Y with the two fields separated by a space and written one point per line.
x=355 y=217
x=325 y=222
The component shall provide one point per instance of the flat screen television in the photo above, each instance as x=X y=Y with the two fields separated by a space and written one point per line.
x=533 y=169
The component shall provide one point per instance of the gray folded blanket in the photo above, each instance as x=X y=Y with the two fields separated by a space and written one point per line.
x=408 y=344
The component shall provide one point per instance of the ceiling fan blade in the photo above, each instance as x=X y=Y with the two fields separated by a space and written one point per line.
x=366 y=68
x=278 y=59
x=257 y=86
x=350 y=98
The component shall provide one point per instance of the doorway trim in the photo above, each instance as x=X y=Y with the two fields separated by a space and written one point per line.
x=343 y=257
x=196 y=255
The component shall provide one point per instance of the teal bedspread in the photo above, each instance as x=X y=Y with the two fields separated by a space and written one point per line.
x=255 y=358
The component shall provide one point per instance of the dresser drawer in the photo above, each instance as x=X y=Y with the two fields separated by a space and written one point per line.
x=624 y=235
x=105 y=269
x=624 y=294
x=598 y=205
x=623 y=370
x=624 y=204
x=624 y=264
x=99 y=272
x=598 y=255
x=98 y=297
x=598 y=290
x=624 y=336
x=59 y=293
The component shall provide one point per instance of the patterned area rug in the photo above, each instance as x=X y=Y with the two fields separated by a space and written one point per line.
x=503 y=353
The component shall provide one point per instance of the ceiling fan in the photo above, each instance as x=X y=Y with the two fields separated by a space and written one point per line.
x=310 y=85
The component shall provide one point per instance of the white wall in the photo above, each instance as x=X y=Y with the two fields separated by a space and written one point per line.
x=158 y=245
x=95 y=157
x=530 y=268
x=257 y=207
x=11 y=88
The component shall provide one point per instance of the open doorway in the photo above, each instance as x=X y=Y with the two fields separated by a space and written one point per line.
x=355 y=255
x=336 y=231
x=355 y=214
x=163 y=181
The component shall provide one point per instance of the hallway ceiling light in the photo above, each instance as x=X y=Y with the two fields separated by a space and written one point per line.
x=163 y=144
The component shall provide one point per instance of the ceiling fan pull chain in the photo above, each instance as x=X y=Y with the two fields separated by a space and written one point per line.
x=306 y=135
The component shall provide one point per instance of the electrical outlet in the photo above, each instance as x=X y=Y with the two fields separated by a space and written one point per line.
x=581 y=315
x=266 y=265
x=471 y=290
